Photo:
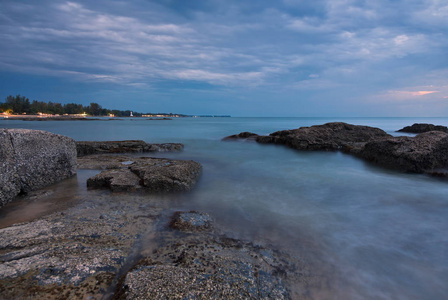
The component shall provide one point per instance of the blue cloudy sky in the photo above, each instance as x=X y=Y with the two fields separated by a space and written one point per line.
x=244 y=58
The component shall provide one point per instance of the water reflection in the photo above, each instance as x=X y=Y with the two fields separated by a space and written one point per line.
x=52 y=198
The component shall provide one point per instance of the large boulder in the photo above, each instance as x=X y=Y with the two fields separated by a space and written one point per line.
x=424 y=153
x=329 y=137
x=32 y=159
x=127 y=173
x=88 y=148
x=423 y=127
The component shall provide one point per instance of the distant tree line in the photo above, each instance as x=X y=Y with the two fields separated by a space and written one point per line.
x=22 y=105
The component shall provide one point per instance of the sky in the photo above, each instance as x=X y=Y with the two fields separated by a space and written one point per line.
x=291 y=58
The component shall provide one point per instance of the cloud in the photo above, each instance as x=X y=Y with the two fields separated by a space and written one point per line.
x=330 y=49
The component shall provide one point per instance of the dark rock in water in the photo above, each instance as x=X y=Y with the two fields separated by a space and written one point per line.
x=425 y=153
x=88 y=148
x=420 y=154
x=191 y=221
x=32 y=159
x=422 y=127
x=329 y=137
x=147 y=173
x=242 y=135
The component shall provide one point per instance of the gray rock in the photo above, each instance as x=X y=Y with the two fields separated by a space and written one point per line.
x=88 y=148
x=32 y=159
x=422 y=127
x=74 y=255
x=121 y=180
x=146 y=173
x=205 y=267
x=420 y=154
x=191 y=221
x=328 y=137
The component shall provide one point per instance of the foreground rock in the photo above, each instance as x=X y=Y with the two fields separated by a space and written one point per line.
x=422 y=127
x=205 y=266
x=32 y=159
x=75 y=254
x=127 y=173
x=328 y=137
x=88 y=148
x=424 y=153
x=82 y=252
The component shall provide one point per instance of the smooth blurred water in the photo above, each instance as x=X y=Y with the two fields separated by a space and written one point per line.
x=384 y=232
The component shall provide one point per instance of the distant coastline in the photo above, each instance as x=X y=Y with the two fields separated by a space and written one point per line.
x=47 y=117
x=21 y=108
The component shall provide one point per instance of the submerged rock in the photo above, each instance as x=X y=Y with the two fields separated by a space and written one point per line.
x=422 y=127
x=420 y=154
x=146 y=173
x=32 y=159
x=88 y=148
x=328 y=137
x=191 y=221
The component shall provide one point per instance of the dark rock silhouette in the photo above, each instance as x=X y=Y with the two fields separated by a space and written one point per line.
x=422 y=127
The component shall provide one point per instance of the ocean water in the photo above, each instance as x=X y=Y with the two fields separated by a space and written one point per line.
x=382 y=234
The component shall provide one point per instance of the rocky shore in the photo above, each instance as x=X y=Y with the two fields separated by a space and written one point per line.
x=120 y=244
x=125 y=241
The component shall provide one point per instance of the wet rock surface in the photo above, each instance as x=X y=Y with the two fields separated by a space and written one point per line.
x=88 y=148
x=423 y=127
x=110 y=246
x=206 y=266
x=127 y=173
x=423 y=153
x=75 y=254
x=32 y=159
x=191 y=221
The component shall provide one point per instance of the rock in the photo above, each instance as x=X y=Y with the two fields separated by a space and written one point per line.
x=422 y=127
x=329 y=137
x=242 y=135
x=420 y=154
x=32 y=159
x=74 y=255
x=207 y=267
x=147 y=173
x=122 y=180
x=191 y=221
x=88 y=148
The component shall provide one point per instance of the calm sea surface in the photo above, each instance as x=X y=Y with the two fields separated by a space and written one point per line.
x=384 y=233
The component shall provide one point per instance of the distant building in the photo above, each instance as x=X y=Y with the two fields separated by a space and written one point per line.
x=131 y=115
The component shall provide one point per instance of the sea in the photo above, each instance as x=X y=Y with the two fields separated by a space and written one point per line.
x=382 y=234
